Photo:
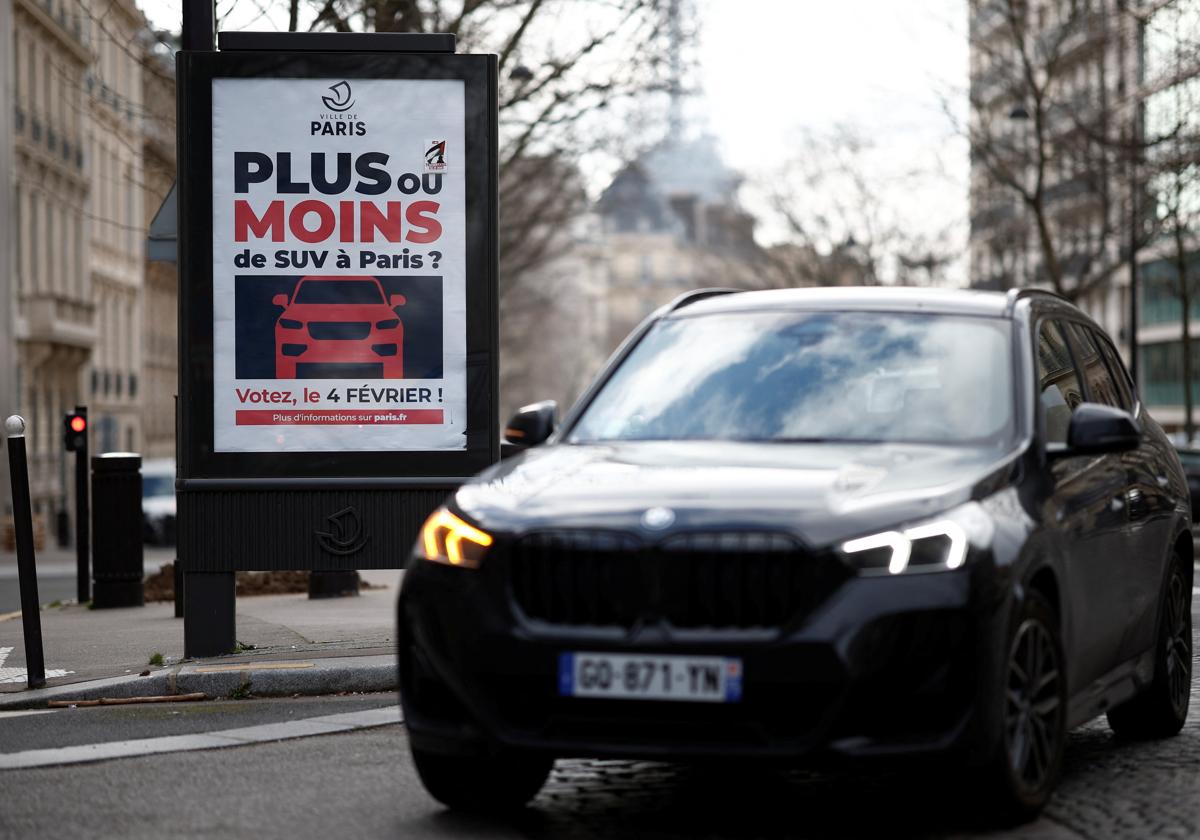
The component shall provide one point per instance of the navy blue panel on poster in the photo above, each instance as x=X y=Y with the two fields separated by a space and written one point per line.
x=328 y=326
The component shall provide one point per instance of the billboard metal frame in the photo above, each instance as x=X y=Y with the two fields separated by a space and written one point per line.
x=276 y=510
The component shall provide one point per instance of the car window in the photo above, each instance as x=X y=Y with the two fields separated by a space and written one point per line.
x=158 y=485
x=338 y=292
x=1100 y=385
x=1119 y=373
x=1058 y=383
x=795 y=375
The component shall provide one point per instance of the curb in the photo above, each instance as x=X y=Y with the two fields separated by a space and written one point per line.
x=333 y=675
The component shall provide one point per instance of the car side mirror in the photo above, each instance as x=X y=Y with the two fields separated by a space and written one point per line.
x=280 y=300
x=1096 y=429
x=532 y=424
x=397 y=300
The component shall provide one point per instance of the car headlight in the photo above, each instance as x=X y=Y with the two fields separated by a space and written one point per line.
x=936 y=545
x=447 y=539
x=289 y=324
x=389 y=324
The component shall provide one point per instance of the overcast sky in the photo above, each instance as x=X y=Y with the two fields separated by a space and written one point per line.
x=770 y=70
x=775 y=70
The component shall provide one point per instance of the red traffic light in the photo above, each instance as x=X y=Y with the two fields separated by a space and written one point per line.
x=75 y=431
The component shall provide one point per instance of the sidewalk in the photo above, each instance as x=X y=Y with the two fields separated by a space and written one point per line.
x=290 y=645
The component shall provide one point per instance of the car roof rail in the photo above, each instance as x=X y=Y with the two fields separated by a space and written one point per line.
x=696 y=295
x=1015 y=295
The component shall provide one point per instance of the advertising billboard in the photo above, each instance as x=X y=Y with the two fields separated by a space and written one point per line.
x=339 y=265
x=338 y=313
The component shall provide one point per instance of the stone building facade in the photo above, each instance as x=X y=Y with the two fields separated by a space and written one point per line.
x=56 y=323
x=93 y=144
x=160 y=322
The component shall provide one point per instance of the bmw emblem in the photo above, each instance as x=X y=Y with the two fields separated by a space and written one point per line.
x=657 y=518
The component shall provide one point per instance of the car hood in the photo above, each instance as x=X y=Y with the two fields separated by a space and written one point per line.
x=821 y=492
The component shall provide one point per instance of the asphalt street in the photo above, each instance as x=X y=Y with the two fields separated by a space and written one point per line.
x=360 y=783
x=56 y=574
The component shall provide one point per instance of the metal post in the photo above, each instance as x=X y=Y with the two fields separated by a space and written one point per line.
x=198 y=19
x=209 y=623
x=178 y=570
x=31 y=617
x=117 y=530
x=177 y=565
x=83 y=519
x=8 y=232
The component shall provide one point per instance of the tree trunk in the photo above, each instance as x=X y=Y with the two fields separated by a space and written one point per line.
x=1185 y=301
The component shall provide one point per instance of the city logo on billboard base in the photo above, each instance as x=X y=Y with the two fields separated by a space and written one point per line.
x=435 y=156
x=336 y=122
x=345 y=534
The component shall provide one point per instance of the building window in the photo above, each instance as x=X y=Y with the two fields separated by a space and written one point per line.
x=1162 y=373
x=1160 y=291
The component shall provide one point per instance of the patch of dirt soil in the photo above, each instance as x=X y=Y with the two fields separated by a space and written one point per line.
x=160 y=586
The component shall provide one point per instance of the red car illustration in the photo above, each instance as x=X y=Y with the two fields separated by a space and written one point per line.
x=339 y=328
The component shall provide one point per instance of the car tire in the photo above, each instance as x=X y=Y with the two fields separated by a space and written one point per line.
x=1022 y=770
x=1160 y=710
x=501 y=782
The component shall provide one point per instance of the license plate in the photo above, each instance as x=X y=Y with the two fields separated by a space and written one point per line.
x=696 y=679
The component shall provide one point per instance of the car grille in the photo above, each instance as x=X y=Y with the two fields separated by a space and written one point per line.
x=339 y=330
x=741 y=580
x=336 y=370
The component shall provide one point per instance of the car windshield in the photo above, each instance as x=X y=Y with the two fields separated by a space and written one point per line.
x=828 y=376
x=338 y=292
x=158 y=485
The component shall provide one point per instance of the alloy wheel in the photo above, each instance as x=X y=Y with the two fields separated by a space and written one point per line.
x=1033 y=711
x=1178 y=644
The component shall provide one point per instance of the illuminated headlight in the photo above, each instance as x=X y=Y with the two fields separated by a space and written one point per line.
x=447 y=539
x=937 y=545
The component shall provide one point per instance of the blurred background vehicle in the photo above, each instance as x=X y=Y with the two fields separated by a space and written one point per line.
x=158 y=501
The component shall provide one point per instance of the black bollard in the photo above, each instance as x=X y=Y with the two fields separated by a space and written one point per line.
x=332 y=584
x=178 y=588
x=31 y=617
x=117 y=530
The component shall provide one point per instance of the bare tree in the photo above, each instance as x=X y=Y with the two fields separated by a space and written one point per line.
x=574 y=75
x=1173 y=58
x=841 y=227
x=1054 y=134
x=570 y=70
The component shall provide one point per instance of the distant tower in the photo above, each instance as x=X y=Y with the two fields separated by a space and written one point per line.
x=676 y=9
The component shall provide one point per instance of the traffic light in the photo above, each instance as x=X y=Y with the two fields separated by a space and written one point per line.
x=75 y=431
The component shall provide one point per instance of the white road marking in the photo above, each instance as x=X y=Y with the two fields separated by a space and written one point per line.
x=326 y=724
x=20 y=675
x=25 y=712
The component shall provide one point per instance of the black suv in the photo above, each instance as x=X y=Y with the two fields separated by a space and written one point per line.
x=811 y=523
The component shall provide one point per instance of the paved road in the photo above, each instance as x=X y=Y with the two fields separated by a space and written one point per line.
x=56 y=573
x=361 y=783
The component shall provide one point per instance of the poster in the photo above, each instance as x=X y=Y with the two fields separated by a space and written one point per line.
x=339 y=265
